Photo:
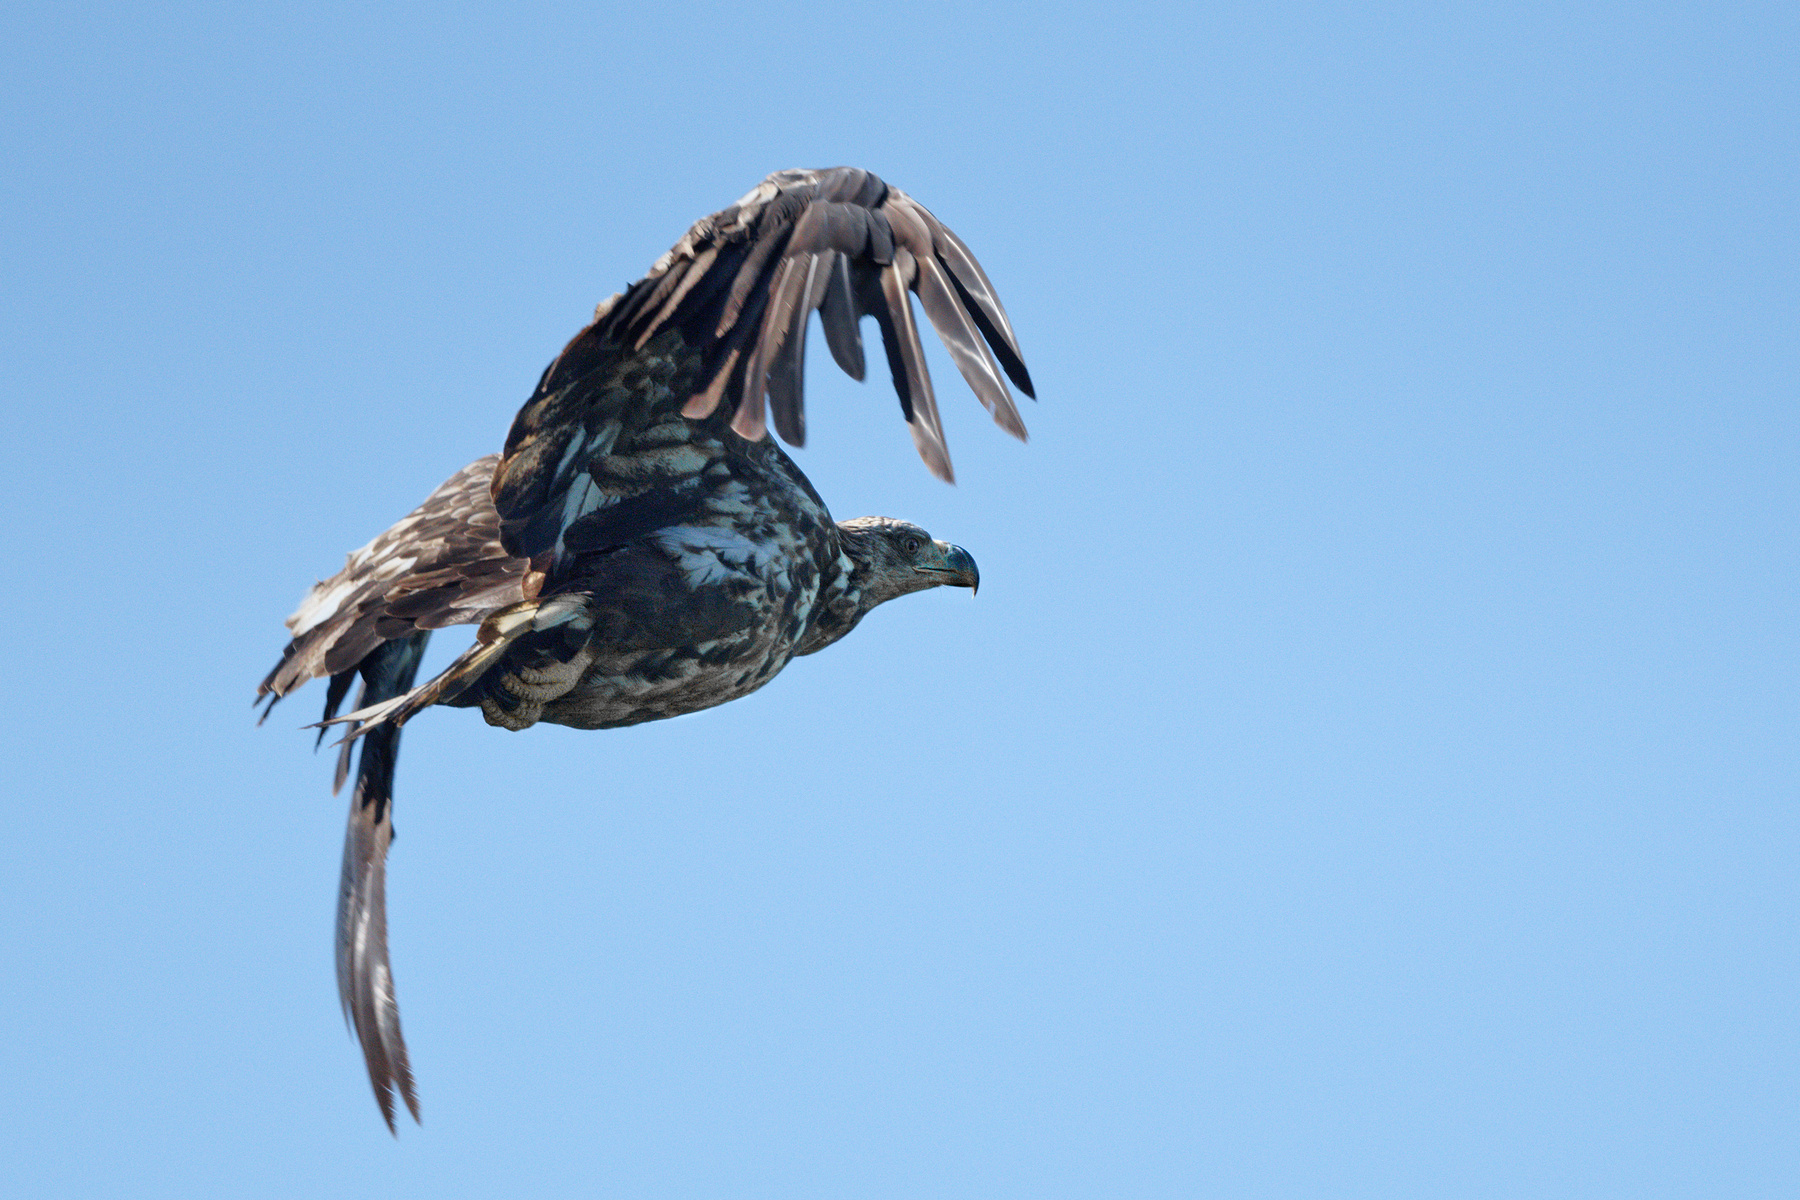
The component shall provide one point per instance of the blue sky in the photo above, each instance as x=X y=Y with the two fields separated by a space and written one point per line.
x=1369 y=767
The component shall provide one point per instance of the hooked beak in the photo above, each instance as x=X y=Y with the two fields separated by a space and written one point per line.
x=955 y=565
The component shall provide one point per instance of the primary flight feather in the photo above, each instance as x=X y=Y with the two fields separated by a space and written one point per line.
x=641 y=549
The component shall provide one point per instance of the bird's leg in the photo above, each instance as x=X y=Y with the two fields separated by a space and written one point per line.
x=537 y=654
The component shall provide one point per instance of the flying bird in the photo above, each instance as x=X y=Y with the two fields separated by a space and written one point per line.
x=641 y=548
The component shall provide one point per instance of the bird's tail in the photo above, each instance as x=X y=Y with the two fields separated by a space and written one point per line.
x=365 y=980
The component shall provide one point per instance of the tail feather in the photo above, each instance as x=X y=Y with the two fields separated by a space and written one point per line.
x=365 y=978
x=334 y=697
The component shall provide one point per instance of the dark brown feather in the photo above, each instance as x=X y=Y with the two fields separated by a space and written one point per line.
x=838 y=317
x=967 y=348
x=906 y=361
x=688 y=275
x=983 y=304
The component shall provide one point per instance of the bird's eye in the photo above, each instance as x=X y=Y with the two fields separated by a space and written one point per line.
x=912 y=545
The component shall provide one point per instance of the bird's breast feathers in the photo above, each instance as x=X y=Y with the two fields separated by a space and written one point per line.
x=743 y=580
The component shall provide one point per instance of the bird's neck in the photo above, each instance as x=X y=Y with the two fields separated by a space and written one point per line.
x=848 y=589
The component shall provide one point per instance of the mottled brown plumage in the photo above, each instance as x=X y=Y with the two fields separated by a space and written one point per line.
x=641 y=549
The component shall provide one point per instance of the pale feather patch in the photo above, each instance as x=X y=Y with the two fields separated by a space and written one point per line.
x=708 y=554
x=731 y=500
x=382 y=542
x=321 y=606
x=576 y=442
x=659 y=462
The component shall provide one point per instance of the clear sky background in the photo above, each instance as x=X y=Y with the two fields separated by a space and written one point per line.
x=1368 y=769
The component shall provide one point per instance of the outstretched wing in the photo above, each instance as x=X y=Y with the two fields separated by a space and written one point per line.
x=715 y=336
x=441 y=564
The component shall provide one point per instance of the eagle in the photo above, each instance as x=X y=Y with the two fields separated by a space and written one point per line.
x=640 y=548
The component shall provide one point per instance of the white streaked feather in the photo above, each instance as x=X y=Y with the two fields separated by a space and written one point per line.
x=320 y=606
x=709 y=554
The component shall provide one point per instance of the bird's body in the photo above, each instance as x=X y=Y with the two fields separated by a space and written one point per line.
x=687 y=615
x=641 y=549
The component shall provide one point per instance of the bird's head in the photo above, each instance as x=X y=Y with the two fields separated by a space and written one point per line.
x=894 y=557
